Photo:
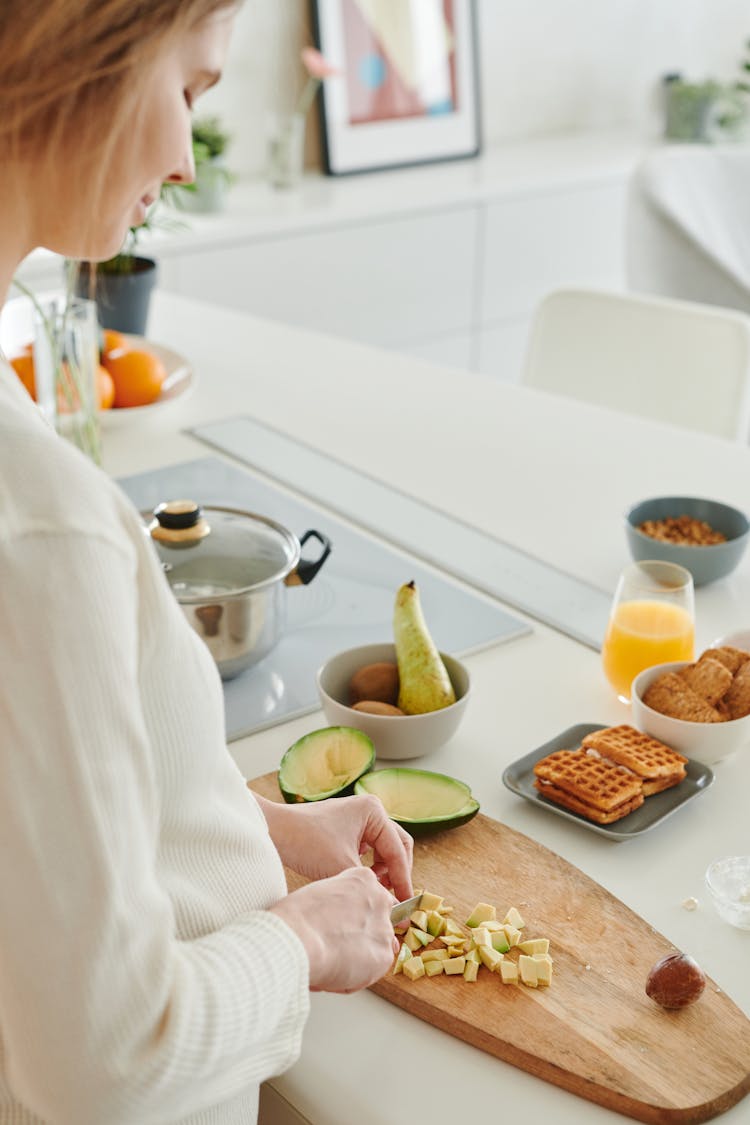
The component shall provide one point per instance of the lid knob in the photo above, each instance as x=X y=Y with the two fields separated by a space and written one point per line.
x=178 y=523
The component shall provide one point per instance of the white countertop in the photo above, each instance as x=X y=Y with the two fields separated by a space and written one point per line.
x=548 y=475
x=255 y=210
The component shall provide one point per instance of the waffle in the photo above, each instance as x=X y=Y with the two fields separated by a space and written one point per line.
x=672 y=696
x=709 y=678
x=568 y=801
x=645 y=756
x=590 y=779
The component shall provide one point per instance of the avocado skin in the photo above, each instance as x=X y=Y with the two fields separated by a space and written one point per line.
x=427 y=826
x=420 y=828
x=293 y=798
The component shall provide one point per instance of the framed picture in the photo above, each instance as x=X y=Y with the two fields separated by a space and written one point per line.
x=407 y=88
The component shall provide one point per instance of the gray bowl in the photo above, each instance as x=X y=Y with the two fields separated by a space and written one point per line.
x=706 y=564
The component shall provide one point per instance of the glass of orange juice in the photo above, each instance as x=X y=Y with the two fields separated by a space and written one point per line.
x=652 y=622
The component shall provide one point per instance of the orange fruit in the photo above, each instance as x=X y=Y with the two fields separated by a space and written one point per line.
x=137 y=375
x=112 y=341
x=105 y=388
x=23 y=365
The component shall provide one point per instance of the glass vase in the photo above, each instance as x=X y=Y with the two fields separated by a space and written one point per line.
x=286 y=150
x=66 y=362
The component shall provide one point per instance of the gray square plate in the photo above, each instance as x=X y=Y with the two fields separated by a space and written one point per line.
x=519 y=777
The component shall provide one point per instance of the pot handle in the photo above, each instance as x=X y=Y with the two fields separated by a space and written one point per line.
x=307 y=568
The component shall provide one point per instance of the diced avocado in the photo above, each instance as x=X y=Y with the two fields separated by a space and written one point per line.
x=453 y=928
x=513 y=918
x=435 y=924
x=481 y=937
x=419 y=919
x=543 y=964
x=452 y=939
x=528 y=970
x=404 y=954
x=433 y=968
x=457 y=950
x=430 y=901
x=435 y=955
x=415 y=939
x=473 y=955
x=534 y=945
x=325 y=763
x=414 y=968
x=454 y=966
x=420 y=801
x=499 y=942
x=513 y=935
x=489 y=957
x=482 y=912
x=471 y=969
x=492 y=926
x=508 y=971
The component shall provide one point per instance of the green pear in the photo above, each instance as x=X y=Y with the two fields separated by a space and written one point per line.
x=424 y=684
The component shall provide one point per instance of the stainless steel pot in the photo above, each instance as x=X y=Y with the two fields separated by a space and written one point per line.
x=229 y=570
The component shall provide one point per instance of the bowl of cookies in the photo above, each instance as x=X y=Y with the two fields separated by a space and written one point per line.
x=705 y=536
x=701 y=708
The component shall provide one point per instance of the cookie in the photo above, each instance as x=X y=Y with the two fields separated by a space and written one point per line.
x=671 y=695
x=709 y=678
x=737 y=699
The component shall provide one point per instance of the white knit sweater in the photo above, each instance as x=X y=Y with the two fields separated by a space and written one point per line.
x=142 y=980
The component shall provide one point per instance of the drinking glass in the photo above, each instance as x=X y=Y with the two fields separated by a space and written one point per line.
x=66 y=359
x=652 y=621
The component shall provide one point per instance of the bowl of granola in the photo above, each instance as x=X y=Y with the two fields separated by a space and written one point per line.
x=705 y=536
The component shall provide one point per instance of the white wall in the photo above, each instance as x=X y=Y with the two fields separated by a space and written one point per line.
x=546 y=65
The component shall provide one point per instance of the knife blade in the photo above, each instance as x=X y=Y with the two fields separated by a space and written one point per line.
x=402 y=911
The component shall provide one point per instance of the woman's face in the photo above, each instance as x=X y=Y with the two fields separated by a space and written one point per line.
x=155 y=146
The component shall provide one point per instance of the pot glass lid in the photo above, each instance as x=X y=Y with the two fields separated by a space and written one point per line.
x=213 y=551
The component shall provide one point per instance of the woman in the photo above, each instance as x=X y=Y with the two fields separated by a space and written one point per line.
x=152 y=967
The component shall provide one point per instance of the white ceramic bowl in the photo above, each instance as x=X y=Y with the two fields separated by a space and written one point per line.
x=728 y=880
x=394 y=736
x=706 y=742
x=740 y=638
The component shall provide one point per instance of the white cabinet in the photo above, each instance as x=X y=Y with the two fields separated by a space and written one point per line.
x=388 y=283
x=533 y=244
x=446 y=261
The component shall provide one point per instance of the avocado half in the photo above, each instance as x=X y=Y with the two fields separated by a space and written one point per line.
x=420 y=801
x=325 y=763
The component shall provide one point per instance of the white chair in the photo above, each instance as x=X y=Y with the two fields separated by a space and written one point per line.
x=675 y=361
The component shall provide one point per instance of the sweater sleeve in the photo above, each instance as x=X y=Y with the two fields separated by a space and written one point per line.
x=105 y=1015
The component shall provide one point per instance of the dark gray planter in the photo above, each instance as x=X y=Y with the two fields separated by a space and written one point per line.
x=122 y=298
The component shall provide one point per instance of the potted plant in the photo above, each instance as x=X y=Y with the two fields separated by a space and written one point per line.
x=122 y=285
x=707 y=111
x=212 y=177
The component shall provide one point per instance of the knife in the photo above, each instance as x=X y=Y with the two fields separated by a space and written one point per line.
x=402 y=911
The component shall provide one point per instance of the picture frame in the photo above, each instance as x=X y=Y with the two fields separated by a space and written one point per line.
x=407 y=91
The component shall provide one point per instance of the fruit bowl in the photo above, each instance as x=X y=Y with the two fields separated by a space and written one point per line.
x=394 y=736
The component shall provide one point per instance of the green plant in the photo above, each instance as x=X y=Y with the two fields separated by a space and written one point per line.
x=209 y=139
x=125 y=259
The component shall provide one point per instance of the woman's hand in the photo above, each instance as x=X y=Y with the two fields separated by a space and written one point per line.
x=345 y=926
x=325 y=837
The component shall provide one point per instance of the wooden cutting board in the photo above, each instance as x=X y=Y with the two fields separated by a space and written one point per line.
x=594 y=1032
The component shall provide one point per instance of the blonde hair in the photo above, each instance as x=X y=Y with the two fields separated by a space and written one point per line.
x=69 y=68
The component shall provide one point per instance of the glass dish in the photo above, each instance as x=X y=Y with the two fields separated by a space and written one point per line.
x=728 y=880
